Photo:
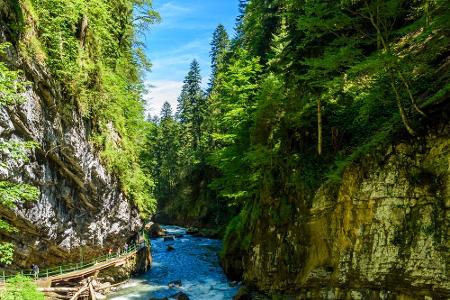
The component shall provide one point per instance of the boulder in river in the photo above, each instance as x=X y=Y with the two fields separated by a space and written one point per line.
x=170 y=248
x=154 y=229
x=180 y=296
x=169 y=238
x=193 y=231
x=243 y=294
x=234 y=283
x=174 y=284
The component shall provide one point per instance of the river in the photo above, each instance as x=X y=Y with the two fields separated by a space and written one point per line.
x=194 y=262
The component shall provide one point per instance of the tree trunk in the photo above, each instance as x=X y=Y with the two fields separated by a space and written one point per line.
x=83 y=30
x=402 y=111
x=80 y=291
x=411 y=97
x=319 y=126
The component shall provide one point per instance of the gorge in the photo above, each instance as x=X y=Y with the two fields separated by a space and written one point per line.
x=319 y=151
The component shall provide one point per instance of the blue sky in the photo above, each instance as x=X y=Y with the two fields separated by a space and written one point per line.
x=183 y=35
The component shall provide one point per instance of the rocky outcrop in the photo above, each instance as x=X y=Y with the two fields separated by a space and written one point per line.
x=383 y=233
x=81 y=210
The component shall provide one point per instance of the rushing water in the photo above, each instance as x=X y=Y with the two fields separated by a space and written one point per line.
x=194 y=261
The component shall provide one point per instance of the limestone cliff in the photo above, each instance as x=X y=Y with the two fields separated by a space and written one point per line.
x=383 y=233
x=81 y=207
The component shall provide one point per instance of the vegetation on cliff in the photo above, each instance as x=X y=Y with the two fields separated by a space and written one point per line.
x=303 y=90
x=12 y=192
x=91 y=52
x=84 y=61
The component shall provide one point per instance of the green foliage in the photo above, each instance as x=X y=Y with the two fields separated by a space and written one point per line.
x=91 y=49
x=21 y=287
x=6 y=251
x=305 y=89
x=10 y=85
x=11 y=193
x=366 y=69
x=17 y=150
x=192 y=107
x=219 y=46
x=233 y=105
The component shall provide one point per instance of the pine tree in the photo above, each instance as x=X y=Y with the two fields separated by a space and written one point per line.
x=192 y=105
x=166 y=111
x=239 y=28
x=219 y=46
x=166 y=147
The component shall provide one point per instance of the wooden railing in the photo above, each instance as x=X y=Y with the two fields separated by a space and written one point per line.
x=64 y=269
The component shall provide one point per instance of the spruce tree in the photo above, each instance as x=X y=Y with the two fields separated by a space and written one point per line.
x=166 y=154
x=166 y=111
x=219 y=46
x=192 y=105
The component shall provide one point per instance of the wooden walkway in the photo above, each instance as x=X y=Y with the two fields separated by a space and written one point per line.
x=85 y=273
x=78 y=281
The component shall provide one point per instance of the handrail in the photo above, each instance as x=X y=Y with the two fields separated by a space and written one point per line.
x=64 y=269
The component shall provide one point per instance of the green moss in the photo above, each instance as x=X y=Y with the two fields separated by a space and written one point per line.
x=239 y=234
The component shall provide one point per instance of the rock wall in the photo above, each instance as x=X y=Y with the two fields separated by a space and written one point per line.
x=383 y=233
x=81 y=209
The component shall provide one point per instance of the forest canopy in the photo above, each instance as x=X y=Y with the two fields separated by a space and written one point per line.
x=302 y=91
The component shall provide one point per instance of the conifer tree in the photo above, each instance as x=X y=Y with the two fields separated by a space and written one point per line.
x=192 y=105
x=166 y=111
x=165 y=151
x=219 y=46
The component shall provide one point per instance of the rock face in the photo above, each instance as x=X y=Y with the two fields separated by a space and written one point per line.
x=383 y=233
x=81 y=207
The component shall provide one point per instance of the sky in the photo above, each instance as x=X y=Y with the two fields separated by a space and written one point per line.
x=184 y=34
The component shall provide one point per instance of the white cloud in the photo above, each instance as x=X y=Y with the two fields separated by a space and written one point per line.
x=170 y=9
x=173 y=15
x=181 y=56
x=160 y=92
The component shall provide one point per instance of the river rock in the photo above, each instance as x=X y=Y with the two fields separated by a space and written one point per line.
x=100 y=296
x=180 y=296
x=243 y=294
x=174 y=284
x=170 y=248
x=169 y=238
x=154 y=229
x=193 y=231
